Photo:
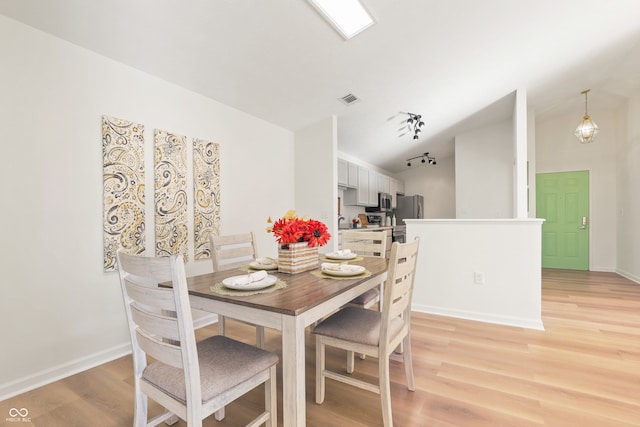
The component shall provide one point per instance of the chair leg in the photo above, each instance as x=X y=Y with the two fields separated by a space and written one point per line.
x=408 y=362
x=270 y=398
x=260 y=336
x=222 y=327
x=320 y=381
x=350 y=362
x=385 y=391
x=172 y=420
x=140 y=417
x=219 y=414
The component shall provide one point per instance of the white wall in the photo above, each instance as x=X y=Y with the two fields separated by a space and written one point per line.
x=484 y=172
x=628 y=193
x=437 y=183
x=505 y=252
x=558 y=150
x=59 y=312
x=316 y=175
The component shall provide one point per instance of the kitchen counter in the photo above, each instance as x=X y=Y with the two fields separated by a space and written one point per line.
x=367 y=228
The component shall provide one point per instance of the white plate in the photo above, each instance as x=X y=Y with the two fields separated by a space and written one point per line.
x=333 y=255
x=352 y=270
x=260 y=284
x=257 y=266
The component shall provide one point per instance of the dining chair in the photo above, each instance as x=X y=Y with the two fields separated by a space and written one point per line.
x=229 y=252
x=366 y=243
x=190 y=380
x=374 y=333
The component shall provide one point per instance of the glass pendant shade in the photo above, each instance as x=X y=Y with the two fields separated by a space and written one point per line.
x=587 y=130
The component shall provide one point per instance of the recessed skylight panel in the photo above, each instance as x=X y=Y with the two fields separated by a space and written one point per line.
x=348 y=17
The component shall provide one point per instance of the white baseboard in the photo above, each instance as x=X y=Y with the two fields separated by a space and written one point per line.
x=56 y=373
x=629 y=276
x=482 y=317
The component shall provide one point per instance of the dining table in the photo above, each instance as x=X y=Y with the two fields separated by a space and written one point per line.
x=308 y=297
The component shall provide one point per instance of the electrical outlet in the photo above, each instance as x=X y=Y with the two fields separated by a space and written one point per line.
x=478 y=278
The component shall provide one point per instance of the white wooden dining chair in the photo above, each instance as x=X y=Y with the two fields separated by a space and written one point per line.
x=366 y=243
x=190 y=380
x=374 y=333
x=229 y=252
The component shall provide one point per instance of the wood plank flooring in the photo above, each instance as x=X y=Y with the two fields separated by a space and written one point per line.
x=583 y=370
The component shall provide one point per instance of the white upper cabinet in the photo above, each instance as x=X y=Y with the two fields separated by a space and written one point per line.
x=353 y=174
x=343 y=173
x=384 y=184
x=362 y=185
x=374 y=189
x=347 y=174
x=393 y=190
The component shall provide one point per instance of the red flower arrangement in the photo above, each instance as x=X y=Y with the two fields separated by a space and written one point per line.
x=292 y=229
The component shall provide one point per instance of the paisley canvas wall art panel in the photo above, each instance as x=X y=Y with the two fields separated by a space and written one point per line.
x=123 y=188
x=206 y=192
x=170 y=189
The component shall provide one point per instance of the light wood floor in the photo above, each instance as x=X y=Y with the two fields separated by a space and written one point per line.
x=583 y=370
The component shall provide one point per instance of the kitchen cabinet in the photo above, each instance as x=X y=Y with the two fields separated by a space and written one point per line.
x=352 y=170
x=373 y=188
x=384 y=184
x=361 y=185
x=363 y=192
x=393 y=190
x=347 y=174
x=343 y=173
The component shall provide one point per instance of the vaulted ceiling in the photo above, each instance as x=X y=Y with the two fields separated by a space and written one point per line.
x=446 y=60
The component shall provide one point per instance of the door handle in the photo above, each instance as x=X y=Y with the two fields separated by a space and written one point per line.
x=584 y=223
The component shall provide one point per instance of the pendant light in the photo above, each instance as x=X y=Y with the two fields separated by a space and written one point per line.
x=587 y=129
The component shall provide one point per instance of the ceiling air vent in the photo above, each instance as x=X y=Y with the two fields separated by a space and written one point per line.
x=349 y=99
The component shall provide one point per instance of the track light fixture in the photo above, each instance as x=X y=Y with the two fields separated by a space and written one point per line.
x=424 y=158
x=414 y=124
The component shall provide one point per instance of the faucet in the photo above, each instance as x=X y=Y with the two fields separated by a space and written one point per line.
x=340 y=218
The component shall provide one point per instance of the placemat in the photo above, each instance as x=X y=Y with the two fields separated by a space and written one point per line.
x=319 y=273
x=221 y=289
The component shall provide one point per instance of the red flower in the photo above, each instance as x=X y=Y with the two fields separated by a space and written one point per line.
x=288 y=231
x=316 y=233
x=292 y=229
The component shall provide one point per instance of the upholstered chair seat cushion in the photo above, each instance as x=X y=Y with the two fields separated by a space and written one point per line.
x=368 y=297
x=357 y=324
x=223 y=363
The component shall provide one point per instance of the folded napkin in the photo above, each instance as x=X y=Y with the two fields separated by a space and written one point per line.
x=332 y=266
x=265 y=261
x=245 y=279
x=343 y=252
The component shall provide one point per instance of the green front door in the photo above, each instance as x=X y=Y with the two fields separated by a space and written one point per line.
x=562 y=199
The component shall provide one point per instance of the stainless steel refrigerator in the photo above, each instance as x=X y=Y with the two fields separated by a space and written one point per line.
x=409 y=207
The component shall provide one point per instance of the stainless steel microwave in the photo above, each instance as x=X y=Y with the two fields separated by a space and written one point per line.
x=384 y=204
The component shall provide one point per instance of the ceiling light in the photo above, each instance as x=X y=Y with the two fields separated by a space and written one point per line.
x=424 y=158
x=414 y=124
x=587 y=129
x=348 y=17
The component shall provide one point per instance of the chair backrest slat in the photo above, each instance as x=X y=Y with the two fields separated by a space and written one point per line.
x=160 y=320
x=165 y=352
x=232 y=251
x=152 y=296
x=398 y=288
x=366 y=243
x=163 y=326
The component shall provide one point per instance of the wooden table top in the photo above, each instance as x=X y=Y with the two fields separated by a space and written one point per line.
x=303 y=291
